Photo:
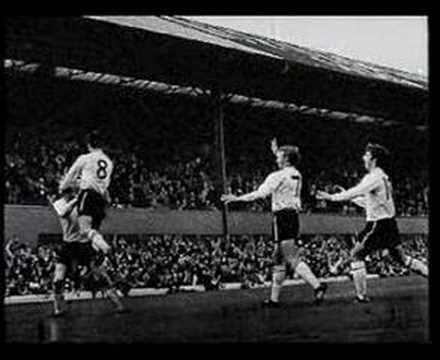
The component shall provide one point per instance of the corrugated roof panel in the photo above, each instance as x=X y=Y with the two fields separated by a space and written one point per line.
x=193 y=30
x=172 y=26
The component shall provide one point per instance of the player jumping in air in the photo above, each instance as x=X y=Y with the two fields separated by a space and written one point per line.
x=374 y=193
x=284 y=186
x=94 y=170
x=78 y=250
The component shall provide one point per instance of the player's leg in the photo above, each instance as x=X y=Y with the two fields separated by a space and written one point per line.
x=278 y=274
x=292 y=255
x=90 y=215
x=65 y=256
x=109 y=287
x=289 y=230
x=419 y=267
x=100 y=246
x=366 y=243
x=75 y=272
x=87 y=231
x=397 y=252
x=278 y=270
x=95 y=258
x=359 y=273
x=286 y=229
x=58 y=285
x=344 y=262
x=341 y=263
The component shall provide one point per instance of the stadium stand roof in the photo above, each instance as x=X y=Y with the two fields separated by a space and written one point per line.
x=186 y=53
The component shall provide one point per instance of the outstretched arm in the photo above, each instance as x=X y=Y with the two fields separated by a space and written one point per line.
x=263 y=191
x=274 y=145
x=228 y=198
x=365 y=186
x=359 y=201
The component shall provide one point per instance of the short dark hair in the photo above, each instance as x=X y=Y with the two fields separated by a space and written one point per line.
x=378 y=152
x=291 y=153
x=94 y=139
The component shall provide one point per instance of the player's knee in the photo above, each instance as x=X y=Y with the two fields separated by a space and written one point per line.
x=404 y=260
x=398 y=255
x=279 y=273
x=99 y=244
x=294 y=261
x=102 y=275
x=57 y=277
x=60 y=270
x=58 y=286
x=86 y=233
x=107 y=282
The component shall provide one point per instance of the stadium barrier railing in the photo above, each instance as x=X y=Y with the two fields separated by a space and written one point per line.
x=28 y=222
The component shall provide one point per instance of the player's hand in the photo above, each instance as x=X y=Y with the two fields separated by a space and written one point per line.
x=338 y=188
x=99 y=244
x=274 y=145
x=50 y=198
x=227 y=198
x=322 y=195
x=334 y=269
x=62 y=186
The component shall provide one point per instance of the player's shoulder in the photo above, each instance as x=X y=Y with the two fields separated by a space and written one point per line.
x=108 y=157
x=293 y=170
x=383 y=172
x=275 y=174
x=86 y=158
x=81 y=158
x=102 y=153
x=378 y=173
x=289 y=171
x=97 y=154
x=375 y=176
x=278 y=175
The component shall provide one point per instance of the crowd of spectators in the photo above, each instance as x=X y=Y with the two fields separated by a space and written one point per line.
x=33 y=167
x=28 y=270
x=172 y=261
x=152 y=135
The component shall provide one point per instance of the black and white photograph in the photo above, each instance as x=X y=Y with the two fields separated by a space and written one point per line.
x=216 y=179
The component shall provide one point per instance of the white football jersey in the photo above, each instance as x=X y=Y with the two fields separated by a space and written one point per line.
x=376 y=192
x=95 y=170
x=285 y=187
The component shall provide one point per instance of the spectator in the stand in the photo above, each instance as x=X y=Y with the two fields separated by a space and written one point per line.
x=34 y=168
x=175 y=261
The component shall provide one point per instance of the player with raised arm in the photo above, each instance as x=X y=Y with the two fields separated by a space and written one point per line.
x=284 y=186
x=374 y=193
x=77 y=250
x=94 y=171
